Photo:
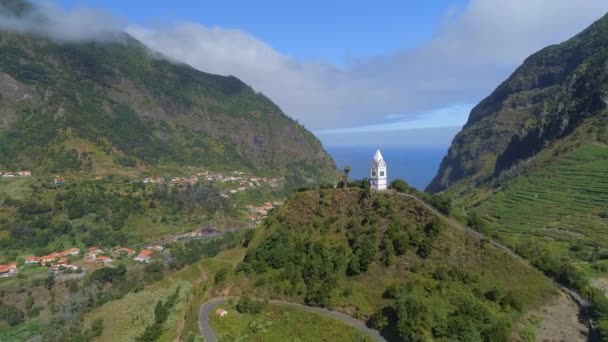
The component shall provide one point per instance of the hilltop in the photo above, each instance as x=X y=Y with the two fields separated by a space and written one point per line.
x=111 y=105
x=387 y=259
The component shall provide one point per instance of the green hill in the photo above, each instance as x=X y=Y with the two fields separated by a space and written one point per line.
x=102 y=107
x=385 y=258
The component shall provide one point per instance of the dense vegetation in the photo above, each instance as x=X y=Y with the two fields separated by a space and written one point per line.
x=43 y=305
x=394 y=262
x=101 y=213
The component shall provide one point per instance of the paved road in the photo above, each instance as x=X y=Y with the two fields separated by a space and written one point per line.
x=207 y=308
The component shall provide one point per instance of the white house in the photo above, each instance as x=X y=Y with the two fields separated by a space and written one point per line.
x=378 y=172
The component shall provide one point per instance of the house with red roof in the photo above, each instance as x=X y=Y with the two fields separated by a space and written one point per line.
x=144 y=255
x=49 y=258
x=8 y=269
x=70 y=251
x=103 y=260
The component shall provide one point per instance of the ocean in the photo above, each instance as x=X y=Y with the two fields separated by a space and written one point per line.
x=417 y=166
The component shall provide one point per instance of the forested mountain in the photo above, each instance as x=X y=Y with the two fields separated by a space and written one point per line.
x=554 y=91
x=84 y=106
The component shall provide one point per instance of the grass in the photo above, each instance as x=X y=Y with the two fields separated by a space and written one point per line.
x=127 y=318
x=558 y=207
x=17 y=188
x=22 y=332
x=279 y=323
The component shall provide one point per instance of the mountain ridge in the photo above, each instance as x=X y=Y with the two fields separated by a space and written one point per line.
x=140 y=109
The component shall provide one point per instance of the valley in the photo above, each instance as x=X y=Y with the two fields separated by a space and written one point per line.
x=144 y=198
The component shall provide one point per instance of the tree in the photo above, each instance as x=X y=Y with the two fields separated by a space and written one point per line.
x=221 y=274
x=96 y=328
x=160 y=312
x=347 y=170
x=400 y=185
x=11 y=315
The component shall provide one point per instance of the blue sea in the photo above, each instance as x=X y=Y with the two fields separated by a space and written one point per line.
x=417 y=166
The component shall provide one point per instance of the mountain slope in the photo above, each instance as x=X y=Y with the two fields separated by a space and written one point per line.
x=140 y=110
x=548 y=97
x=386 y=258
x=530 y=167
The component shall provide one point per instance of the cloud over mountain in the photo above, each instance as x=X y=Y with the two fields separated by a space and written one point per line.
x=471 y=52
x=47 y=19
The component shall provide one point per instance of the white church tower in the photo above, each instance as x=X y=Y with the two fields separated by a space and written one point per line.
x=377 y=174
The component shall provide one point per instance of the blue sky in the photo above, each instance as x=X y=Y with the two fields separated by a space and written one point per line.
x=353 y=72
x=336 y=31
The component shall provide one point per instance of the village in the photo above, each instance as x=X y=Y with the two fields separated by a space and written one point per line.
x=75 y=260
x=238 y=181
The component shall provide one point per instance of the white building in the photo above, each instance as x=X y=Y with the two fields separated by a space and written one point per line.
x=377 y=174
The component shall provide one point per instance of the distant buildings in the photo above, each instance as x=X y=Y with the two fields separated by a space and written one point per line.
x=22 y=173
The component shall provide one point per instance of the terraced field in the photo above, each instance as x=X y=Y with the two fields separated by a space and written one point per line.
x=563 y=204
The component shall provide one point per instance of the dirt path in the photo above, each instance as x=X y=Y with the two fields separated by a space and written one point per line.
x=560 y=321
x=567 y=319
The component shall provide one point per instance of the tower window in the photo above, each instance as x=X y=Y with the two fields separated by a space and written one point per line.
x=373 y=173
x=381 y=173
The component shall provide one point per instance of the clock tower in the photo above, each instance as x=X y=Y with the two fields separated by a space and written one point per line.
x=377 y=174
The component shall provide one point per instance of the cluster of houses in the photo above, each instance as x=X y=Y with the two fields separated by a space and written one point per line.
x=8 y=270
x=242 y=180
x=59 y=260
x=56 y=260
x=22 y=173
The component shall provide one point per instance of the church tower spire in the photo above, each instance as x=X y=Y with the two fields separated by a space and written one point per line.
x=377 y=172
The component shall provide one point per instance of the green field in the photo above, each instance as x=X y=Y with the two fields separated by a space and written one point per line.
x=280 y=323
x=561 y=208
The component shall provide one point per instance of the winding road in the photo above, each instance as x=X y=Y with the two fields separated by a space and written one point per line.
x=208 y=307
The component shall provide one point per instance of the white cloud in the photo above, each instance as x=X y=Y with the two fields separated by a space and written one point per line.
x=48 y=20
x=471 y=52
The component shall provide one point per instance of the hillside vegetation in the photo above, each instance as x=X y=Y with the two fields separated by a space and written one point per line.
x=74 y=106
x=551 y=94
x=530 y=167
x=384 y=258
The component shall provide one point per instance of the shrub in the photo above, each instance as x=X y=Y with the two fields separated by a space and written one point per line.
x=247 y=305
